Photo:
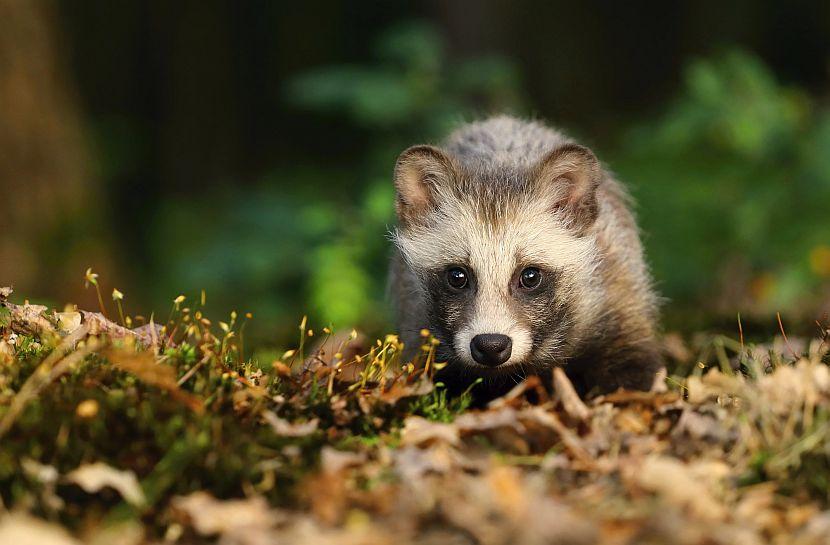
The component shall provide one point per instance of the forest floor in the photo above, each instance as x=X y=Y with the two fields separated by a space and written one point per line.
x=166 y=434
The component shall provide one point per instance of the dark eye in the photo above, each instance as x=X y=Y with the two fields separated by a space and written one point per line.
x=457 y=278
x=530 y=278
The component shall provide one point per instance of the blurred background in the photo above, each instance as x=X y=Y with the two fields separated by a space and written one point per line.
x=245 y=148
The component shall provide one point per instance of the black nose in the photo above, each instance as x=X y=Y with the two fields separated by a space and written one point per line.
x=491 y=349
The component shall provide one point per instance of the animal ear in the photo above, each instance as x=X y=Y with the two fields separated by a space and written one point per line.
x=572 y=174
x=421 y=171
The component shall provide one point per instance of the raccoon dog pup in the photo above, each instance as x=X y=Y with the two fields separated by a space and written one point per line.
x=519 y=252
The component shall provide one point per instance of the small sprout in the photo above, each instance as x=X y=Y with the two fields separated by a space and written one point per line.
x=353 y=335
x=204 y=297
x=226 y=376
x=338 y=356
x=90 y=278
x=303 y=323
x=425 y=332
x=224 y=327
x=87 y=409
x=248 y=315
x=287 y=354
x=310 y=332
x=327 y=331
x=179 y=300
x=117 y=296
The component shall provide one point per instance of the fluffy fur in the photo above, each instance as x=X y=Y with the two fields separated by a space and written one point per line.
x=504 y=194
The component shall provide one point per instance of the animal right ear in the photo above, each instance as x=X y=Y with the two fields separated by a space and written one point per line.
x=572 y=174
x=419 y=174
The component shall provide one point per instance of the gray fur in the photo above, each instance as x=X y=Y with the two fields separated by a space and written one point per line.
x=495 y=211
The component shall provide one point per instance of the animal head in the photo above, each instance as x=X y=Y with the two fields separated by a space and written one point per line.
x=504 y=254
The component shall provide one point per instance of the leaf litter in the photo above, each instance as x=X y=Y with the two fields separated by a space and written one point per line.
x=170 y=435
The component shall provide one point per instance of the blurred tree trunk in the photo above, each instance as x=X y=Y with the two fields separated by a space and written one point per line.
x=48 y=209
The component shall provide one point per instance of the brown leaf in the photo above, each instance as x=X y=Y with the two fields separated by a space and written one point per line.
x=569 y=438
x=21 y=529
x=571 y=401
x=247 y=521
x=400 y=390
x=94 y=477
x=682 y=485
x=146 y=367
x=287 y=429
x=418 y=431
x=334 y=461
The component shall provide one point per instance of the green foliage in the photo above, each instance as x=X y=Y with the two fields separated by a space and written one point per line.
x=439 y=406
x=732 y=183
x=318 y=234
x=412 y=94
x=197 y=416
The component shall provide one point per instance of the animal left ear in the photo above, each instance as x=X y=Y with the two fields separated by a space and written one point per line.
x=572 y=174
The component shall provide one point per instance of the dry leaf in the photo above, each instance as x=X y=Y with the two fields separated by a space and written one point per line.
x=287 y=429
x=20 y=529
x=400 y=390
x=418 y=431
x=570 y=399
x=333 y=460
x=68 y=321
x=238 y=522
x=683 y=485
x=477 y=421
x=93 y=477
x=148 y=369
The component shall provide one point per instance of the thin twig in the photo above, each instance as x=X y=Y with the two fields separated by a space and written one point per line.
x=786 y=340
x=741 y=333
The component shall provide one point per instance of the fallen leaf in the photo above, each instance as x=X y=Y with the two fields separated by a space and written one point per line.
x=44 y=474
x=571 y=401
x=476 y=421
x=413 y=463
x=333 y=460
x=20 y=529
x=144 y=366
x=94 y=477
x=685 y=486
x=419 y=431
x=243 y=522
x=68 y=321
x=400 y=390
x=287 y=429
